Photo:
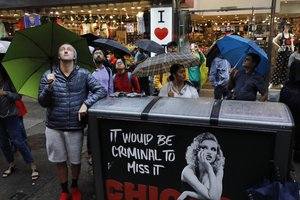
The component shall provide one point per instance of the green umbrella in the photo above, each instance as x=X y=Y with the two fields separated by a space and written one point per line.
x=34 y=50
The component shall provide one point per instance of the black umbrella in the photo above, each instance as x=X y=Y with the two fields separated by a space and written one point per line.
x=90 y=38
x=112 y=45
x=149 y=45
x=211 y=54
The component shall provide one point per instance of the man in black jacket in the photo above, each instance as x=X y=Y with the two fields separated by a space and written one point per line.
x=290 y=95
x=64 y=92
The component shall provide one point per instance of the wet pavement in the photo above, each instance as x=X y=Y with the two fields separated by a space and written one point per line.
x=19 y=185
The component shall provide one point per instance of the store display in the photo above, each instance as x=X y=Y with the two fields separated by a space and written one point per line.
x=129 y=24
x=3 y=33
x=85 y=28
x=140 y=23
x=111 y=30
x=285 y=43
x=130 y=27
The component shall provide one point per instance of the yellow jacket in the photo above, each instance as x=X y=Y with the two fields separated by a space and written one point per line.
x=160 y=80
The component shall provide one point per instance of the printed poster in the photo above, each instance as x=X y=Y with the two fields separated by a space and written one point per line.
x=32 y=20
x=152 y=161
x=161 y=25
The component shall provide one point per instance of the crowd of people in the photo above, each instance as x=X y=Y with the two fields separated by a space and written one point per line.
x=183 y=81
x=67 y=91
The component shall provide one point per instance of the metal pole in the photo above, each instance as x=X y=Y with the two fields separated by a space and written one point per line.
x=176 y=10
x=270 y=42
x=252 y=24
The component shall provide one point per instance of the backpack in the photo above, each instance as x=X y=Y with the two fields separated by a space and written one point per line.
x=109 y=71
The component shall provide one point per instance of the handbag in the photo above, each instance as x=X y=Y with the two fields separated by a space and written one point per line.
x=275 y=190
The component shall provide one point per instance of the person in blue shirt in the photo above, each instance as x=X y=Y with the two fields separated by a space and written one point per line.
x=246 y=82
x=104 y=75
x=219 y=76
x=102 y=72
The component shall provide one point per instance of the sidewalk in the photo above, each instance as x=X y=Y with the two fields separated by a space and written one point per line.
x=19 y=186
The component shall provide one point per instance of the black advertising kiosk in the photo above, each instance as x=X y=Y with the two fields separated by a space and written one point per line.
x=154 y=148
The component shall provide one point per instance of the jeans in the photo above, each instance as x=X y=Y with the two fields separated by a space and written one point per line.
x=11 y=130
x=22 y=127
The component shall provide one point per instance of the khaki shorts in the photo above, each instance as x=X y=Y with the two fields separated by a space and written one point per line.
x=64 y=145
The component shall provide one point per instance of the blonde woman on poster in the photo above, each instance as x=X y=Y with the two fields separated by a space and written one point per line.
x=204 y=173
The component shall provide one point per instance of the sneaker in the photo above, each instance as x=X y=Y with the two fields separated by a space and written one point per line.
x=64 y=196
x=76 y=194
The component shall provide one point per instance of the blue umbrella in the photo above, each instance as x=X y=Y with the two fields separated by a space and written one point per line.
x=235 y=48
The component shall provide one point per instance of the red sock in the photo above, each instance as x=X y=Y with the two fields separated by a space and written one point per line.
x=76 y=194
x=64 y=196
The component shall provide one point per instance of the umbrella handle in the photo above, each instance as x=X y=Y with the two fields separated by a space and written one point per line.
x=246 y=52
x=238 y=61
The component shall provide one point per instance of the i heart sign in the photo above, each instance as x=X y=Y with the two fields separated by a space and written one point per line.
x=161 y=25
x=161 y=33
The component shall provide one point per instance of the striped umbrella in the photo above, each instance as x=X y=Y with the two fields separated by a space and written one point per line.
x=162 y=63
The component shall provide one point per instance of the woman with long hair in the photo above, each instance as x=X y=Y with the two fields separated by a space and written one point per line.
x=177 y=85
x=204 y=172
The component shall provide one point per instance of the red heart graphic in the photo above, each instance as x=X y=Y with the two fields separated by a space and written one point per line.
x=161 y=33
